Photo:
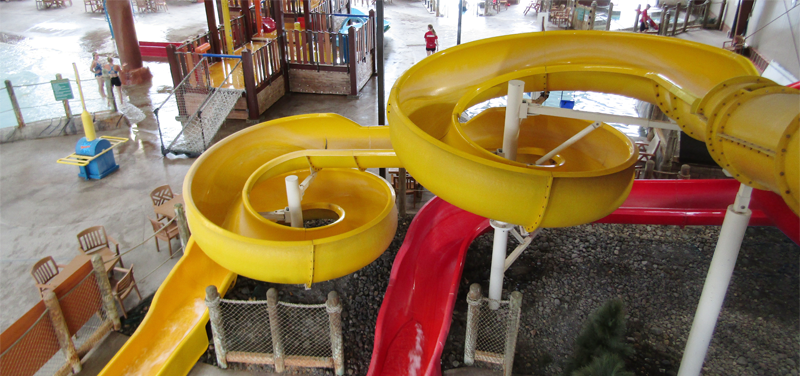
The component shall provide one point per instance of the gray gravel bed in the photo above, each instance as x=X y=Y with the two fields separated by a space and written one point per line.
x=658 y=271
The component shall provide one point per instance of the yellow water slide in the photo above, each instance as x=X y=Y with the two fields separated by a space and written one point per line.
x=749 y=123
x=233 y=190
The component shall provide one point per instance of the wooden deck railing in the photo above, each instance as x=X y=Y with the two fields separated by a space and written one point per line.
x=266 y=64
x=316 y=48
x=329 y=48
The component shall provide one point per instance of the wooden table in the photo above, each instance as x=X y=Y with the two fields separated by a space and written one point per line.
x=109 y=260
x=167 y=209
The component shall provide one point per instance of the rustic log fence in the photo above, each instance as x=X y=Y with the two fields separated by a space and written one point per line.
x=59 y=331
x=277 y=333
x=492 y=334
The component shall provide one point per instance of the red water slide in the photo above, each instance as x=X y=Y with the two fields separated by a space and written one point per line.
x=415 y=315
x=700 y=203
x=414 y=319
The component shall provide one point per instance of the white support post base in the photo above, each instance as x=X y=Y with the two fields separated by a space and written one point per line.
x=294 y=195
x=719 y=276
x=501 y=230
x=511 y=130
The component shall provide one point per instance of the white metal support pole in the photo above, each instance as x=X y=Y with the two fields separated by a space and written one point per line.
x=511 y=130
x=569 y=142
x=293 y=195
x=501 y=230
x=716 y=285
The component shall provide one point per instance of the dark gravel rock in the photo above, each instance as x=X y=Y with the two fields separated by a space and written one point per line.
x=658 y=271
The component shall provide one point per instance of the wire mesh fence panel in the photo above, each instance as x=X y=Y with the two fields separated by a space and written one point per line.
x=194 y=112
x=37 y=101
x=305 y=330
x=492 y=327
x=201 y=127
x=274 y=332
x=37 y=352
x=86 y=317
x=246 y=327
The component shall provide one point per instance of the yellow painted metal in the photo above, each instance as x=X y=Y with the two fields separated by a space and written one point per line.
x=86 y=118
x=226 y=21
x=681 y=77
x=84 y=160
x=242 y=175
x=173 y=334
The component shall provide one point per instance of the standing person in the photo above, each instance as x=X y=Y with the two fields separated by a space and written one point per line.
x=113 y=72
x=431 y=40
x=97 y=68
x=645 y=20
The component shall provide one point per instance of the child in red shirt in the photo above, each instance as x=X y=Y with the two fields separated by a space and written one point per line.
x=431 y=40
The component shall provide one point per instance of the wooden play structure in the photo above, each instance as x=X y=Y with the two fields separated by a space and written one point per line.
x=306 y=53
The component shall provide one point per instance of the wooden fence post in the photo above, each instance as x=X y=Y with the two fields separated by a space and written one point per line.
x=706 y=11
x=608 y=19
x=217 y=329
x=249 y=77
x=281 y=37
x=14 y=104
x=174 y=66
x=636 y=20
x=248 y=20
x=649 y=168
x=307 y=12
x=62 y=331
x=401 y=191
x=103 y=283
x=685 y=173
x=473 y=313
x=514 y=310
x=213 y=33
x=351 y=52
x=334 y=308
x=662 y=29
x=675 y=21
x=67 y=110
x=594 y=15
x=183 y=225
x=688 y=13
x=275 y=329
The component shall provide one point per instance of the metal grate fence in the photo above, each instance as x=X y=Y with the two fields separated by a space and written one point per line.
x=277 y=333
x=190 y=117
x=492 y=328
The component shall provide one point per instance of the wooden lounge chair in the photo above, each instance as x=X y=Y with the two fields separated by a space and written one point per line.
x=166 y=234
x=735 y=45
x=43 y=271
x=95 y=240
x=535 y=5
x=124 y=286
x=161 y=195
x=161 y=4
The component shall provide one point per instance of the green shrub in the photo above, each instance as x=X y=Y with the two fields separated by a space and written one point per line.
x=600 y=346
